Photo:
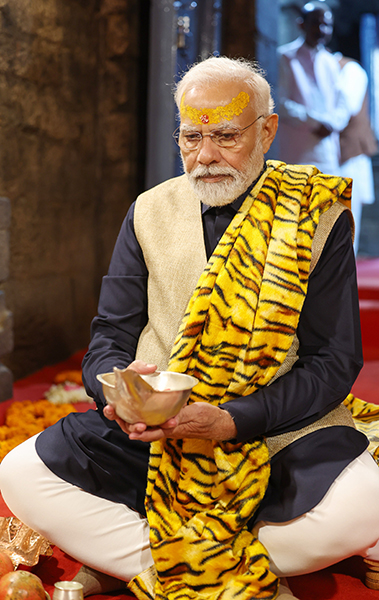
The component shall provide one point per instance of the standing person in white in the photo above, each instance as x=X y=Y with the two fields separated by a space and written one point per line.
x=312 y=109
x=357 y=140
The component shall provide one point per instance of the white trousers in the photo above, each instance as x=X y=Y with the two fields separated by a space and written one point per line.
x=345 y=523
x=104 y=535
x=112 y=538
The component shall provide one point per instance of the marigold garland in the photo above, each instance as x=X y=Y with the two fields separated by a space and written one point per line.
x=25 y=418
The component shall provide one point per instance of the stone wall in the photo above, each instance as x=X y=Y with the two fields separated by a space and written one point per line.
x=73 y=81
x=6 y=325
x=70 y=86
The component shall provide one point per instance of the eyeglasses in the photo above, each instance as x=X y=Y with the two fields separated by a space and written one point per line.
x=225 y=138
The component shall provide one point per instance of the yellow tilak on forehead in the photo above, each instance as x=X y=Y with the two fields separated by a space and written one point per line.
x=203 y=116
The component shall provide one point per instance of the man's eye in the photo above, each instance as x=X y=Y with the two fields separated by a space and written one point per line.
x=192 y=137
x=224 y=136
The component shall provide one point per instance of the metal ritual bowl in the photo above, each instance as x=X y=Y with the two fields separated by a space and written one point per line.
x=68 y=590
x=150 y=399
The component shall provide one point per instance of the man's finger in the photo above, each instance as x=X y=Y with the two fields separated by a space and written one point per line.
x=150 y=435
x=137 y=427
x=109 y=412
x=142 y=368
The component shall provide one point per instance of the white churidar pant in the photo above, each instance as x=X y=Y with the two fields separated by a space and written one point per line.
x=345 y=523
x=104 y=535
x=112 y=538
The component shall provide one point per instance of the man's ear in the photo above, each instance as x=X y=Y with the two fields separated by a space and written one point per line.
x=269 y=130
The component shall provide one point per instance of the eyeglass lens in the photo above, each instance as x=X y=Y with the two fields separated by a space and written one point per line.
x=225 y=138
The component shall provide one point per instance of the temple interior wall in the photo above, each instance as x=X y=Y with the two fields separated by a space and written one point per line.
x=70 y=162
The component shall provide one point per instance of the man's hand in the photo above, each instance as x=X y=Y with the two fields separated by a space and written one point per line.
x=197 y=420
x=322 y=131
x=143 y=369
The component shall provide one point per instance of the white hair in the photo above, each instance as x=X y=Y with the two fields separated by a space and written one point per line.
x=220 y=69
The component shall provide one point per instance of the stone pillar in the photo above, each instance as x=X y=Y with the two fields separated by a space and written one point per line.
x=6 y=329
x=266 y=43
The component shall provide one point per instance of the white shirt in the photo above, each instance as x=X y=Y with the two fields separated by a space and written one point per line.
x=309 y=96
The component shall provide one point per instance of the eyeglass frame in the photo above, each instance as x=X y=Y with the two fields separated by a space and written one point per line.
x=177 y=132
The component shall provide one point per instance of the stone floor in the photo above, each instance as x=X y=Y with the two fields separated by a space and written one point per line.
x=369 y=238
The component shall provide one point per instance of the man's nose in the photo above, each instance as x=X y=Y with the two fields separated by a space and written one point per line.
x=208 y=151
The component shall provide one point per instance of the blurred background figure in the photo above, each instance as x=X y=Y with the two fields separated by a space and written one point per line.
x=312 y=108
x=357 y=140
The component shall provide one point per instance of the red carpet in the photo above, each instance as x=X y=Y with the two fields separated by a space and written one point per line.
x=343 y=581
x=368 y=286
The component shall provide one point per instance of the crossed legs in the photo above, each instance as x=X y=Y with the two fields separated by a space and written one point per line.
x=112 y=538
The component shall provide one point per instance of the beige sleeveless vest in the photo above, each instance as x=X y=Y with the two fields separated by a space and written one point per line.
x=167 y=221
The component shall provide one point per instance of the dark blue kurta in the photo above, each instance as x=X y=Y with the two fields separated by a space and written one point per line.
x=93 y=453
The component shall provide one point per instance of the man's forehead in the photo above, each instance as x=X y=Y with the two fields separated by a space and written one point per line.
x=213 y=106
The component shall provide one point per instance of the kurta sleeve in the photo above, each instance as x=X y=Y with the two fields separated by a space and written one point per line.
x=330 y=352
x=122 y=311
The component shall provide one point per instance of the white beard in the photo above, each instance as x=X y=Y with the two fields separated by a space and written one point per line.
x=220 y=193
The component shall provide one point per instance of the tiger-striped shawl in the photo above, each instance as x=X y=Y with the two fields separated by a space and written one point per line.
x=235 y=334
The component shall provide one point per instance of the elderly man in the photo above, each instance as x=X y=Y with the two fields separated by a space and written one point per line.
x=242 y=273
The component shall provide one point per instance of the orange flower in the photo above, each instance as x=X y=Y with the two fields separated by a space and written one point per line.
x=74 y=376
x=23 y=419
